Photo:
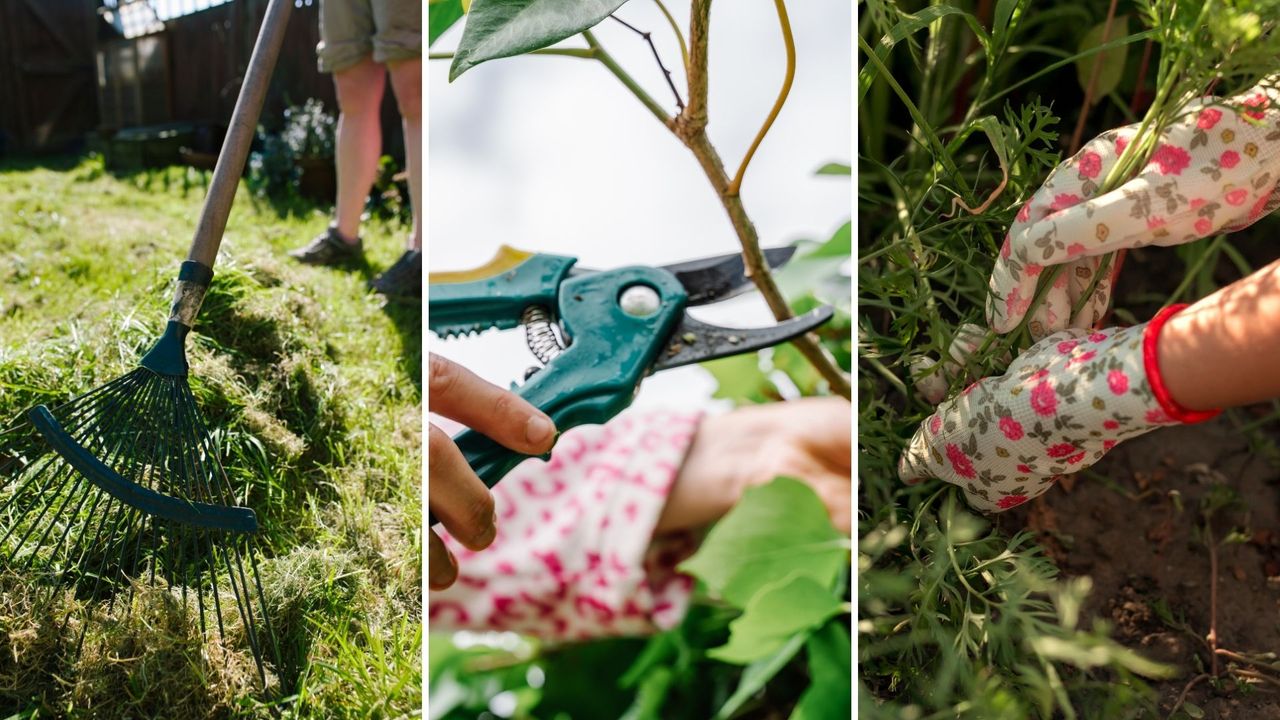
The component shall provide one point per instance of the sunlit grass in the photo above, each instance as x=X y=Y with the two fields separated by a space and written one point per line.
x=313 y=386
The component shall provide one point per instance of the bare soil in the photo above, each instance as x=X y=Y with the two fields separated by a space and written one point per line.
x=1135 y=526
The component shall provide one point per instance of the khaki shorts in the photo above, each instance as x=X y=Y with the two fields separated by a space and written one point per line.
x=351 y=30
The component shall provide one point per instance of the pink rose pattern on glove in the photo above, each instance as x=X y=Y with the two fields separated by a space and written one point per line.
x=1214 y=170
x=575 y=556
x=1059 y=408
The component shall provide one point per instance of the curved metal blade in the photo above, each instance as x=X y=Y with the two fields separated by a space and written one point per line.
x=694 y=341
x=709 y=280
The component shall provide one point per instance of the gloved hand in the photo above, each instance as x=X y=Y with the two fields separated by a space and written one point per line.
x=932 y=381
x=1058 y=409
x=1215 y=169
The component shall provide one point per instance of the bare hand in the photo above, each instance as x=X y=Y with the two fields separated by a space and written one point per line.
x=456 y=496
x=808 y=439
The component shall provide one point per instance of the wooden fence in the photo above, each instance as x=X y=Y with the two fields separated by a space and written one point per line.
x=65 y=73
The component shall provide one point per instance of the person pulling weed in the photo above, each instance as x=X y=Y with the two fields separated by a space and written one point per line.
x=1078 y=391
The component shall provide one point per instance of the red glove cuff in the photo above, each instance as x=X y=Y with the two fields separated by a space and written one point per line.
x=1171 y=407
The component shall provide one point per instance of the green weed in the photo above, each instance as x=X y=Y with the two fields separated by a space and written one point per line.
x=961 y=106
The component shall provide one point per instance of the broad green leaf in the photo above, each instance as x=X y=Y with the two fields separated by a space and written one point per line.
x=441 y=15
x=789 y=361
x=755 y=675
x=503 y=28
x=739 y=378
x=791 y=606
x=776 y=530
x=834 y=168
x=820 y=270
x=830 y=694
x=1111 y=61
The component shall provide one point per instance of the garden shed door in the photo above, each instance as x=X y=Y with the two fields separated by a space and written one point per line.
x=47 y=84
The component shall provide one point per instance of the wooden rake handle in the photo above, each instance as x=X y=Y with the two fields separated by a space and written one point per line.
x=244 y=123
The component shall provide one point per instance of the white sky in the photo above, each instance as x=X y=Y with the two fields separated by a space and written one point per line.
x=552 y=154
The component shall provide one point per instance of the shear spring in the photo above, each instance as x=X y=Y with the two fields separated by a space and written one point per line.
x=540 y=334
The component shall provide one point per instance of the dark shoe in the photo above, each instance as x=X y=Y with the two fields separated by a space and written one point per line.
x=328 y=248
x=403 y=278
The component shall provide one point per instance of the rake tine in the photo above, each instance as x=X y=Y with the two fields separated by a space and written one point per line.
x=83 y=550
x=189 y=415
x=66 y=471
x=25 y=509
x=53 y=519
x=262 y=603
x=48 y=499
x=227 y=497
x=79 y=549
x=199 y=470
x=97 y=580
x=124 y=552
x=251 y=630
x=155 y=443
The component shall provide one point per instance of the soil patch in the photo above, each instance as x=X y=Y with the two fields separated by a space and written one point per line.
x=1135 y=525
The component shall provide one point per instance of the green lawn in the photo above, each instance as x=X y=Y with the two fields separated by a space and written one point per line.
x=315 y=385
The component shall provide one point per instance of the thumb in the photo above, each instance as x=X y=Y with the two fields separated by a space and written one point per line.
x=916 y=463
x=932 y=382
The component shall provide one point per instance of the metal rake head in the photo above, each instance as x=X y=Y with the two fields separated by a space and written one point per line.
x=124 y=485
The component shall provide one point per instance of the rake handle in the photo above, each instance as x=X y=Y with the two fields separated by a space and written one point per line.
x=244 y=123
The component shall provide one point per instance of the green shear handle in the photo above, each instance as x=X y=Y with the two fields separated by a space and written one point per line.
x=597 y=375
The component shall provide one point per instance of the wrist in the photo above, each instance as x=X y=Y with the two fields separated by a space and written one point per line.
x=706 y=486
x=1162 y=355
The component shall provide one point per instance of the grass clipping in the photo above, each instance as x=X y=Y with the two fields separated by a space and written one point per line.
x=149 y=659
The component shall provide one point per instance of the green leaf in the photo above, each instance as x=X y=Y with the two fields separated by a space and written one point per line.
x=840 y=244
x=441 y=15
x=503 y=28
x=834 y=168
x=776 y=530
x=820 y=270
x=739 y=378
x=1192 y=710
x=758 y=673
x=830 y=694
x=791 y=606
x=1112 y=61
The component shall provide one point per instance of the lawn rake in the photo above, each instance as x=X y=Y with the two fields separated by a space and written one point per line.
x=123 y=485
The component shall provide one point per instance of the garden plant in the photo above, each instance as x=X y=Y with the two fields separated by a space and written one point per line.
x=769 y=633
x=1106 y=596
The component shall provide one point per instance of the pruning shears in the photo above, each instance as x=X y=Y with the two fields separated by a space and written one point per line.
x=596 y=333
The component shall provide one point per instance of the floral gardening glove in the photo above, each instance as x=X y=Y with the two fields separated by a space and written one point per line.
x=1058 y=409
x=931 y=381
x=1216 y=169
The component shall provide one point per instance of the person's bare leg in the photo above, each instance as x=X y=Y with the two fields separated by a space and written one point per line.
x=406 y=82
x=359 y=140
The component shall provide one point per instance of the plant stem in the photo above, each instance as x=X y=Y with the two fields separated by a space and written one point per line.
x=1094 y=73
x=648 y=38
x=630 y=83
x=691 y=127
x=675 y=28
x=789 y=42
